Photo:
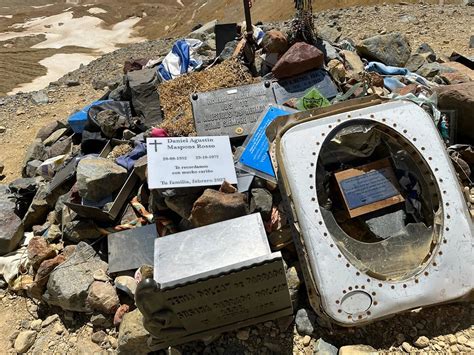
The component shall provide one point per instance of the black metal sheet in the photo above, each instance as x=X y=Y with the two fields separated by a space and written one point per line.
x=295 y=87
x=130 y=249
x=225 y=32
x=231 y=112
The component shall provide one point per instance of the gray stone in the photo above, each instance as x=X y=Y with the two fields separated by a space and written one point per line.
x=39 y=208
x=3 y=129
x=391 y=49
x=98 y=178
x=422 y=342
x=415 y=62
x=68 y=284
x=207 y=28
x=330 y=51
x=261 y=201
x=32 y=167
x=101 y=321
x=132 y=337
x=35 y=151
x=54 y=136
x=81 y=230
x=72 y=82
x=305 y=321
x=427 y=52
x=47 y=130
x=127 y=134
x=430 y=70
x=11 y=227
x=471 y=42
x=50 y=320
x=99 y=337
x=293 y=284
x=357 y=350
x=329 y=34
x=2 y=167
x=110 y=122
x=24 y=341
x=40 y=97
x=182 y=205
x=60 y=147
x=228 y=50
x=145 y=97
x=323 y=348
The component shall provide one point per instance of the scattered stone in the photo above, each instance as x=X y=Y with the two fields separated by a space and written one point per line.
x=3 y=129
x=306 y=340
x=102 y=297
x=422 y=342
x=300 y=58
x=132 y=337
x=352 y=64
x=261 y=201
x=101 y=275
x=54 y=136
x=406 y=346
x=293 y=284
x=39 y=250
x=110 y=122
x=415 y=62
x=40 y=98
x=126 y=284
x=324 y=348
x=305 y=321
x=214 y=206
x=32 y=167
x=99 y=337
x=391 y=49
x=79 y=267
x=98 y=178
x=101 y=321
x=35 y=151
x=50 y=320
x=71 y=83
x=329 y=33
x=127 y=134
x=243 y=334
x=24 y=341
x=182 y=205
x=429 y=70
x=11 y=227
x=471 y=42
x=275 y=42
x=36 y=325
x=357 y=350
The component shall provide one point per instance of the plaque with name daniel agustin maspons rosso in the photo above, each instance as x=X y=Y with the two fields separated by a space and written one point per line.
x=230 y=112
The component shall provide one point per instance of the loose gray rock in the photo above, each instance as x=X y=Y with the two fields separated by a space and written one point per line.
x=54 y=136
x=391 y=49
x=324 y=348
x=2 y=167
x=40 y=98
x=102 y=297
x=293 y=284
x=24 y=341
x=98 y=178
x=330 y=34
x=101 y=321
x=32 y=167
x=305 y=321
x=82 y=230
x=182 y=205
x=132 y=338
x=71 y=83
x=47 y=130
x=60 y=147
x=11 y=227
x=35 y=151
x=261 y=201
x=415 y=62
x=422 y=342
x=126 y=284
x=99 y=337
x=68 y=284
x=430 y=70
x=110 y=121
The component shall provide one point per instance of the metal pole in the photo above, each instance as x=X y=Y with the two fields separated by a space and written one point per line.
x=248 y=22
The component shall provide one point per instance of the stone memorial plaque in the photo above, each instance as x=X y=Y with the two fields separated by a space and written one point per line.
x=369 y=187
x=207 y=283
x=189 y=161
x=232 y=111
x=296 y=87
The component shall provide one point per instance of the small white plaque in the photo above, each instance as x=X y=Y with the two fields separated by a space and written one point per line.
x=189 y=161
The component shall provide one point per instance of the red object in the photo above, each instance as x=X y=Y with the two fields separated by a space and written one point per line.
x=118 y=317
x=159 y=132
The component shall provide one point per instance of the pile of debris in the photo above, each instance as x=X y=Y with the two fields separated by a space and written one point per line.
x=89 y=226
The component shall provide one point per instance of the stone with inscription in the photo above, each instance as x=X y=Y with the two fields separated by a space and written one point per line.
x=232 y=111
x=297 y=86
x=212 y=279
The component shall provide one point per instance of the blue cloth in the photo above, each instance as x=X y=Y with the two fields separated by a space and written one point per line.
x=392 y=83
x=128 y=160
x=78 y=120
x=180 y=60
x=383 y=69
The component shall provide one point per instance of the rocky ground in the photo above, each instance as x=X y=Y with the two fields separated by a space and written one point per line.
x=39 y=328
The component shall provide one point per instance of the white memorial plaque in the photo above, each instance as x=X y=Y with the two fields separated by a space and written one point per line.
x=189 y=161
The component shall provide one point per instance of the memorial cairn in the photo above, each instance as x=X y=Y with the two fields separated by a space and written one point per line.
x=184 y=205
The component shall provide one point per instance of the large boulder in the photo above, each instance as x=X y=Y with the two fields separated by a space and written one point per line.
x=391 y=49
x=460 y=99
x=214 y=206
x=68 y=285
x=11 y=227
x=275 y=42
x=98 y=178
x=300 y=58
x=132 y=338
